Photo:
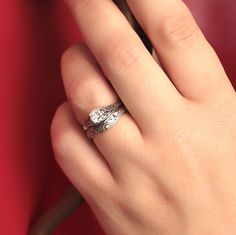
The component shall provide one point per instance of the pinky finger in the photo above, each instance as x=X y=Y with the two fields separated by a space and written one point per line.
x=77 y=156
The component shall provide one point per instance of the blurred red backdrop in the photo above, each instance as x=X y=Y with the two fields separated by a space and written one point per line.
x=33 y=36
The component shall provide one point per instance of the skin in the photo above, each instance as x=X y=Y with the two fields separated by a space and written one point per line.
x=72 y=199
x=168 y=166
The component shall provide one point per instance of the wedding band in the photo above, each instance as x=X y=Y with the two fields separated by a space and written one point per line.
x=102 y=119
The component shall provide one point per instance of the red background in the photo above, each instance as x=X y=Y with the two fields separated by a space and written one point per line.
x=33 y=35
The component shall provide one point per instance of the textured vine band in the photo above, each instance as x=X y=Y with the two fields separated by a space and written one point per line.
x=102 y=119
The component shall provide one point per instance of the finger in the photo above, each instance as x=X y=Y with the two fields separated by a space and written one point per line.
x=187 y=57
x=132 y=71
x=77 y=156
x=87 y=89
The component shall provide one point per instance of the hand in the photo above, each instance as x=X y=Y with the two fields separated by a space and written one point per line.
x=168 y=166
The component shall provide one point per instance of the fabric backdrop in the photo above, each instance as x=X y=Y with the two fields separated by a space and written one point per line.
x=33 y=36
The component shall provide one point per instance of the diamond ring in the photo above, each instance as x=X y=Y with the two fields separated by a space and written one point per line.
x=103 y=118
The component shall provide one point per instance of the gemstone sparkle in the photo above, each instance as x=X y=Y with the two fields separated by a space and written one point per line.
x=97 y=116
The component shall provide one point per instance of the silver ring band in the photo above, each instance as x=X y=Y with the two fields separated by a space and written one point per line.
x=102 y=119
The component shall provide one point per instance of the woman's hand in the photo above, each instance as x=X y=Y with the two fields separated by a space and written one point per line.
x=169 y=165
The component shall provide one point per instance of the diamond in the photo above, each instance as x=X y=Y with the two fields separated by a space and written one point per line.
x=97 y=116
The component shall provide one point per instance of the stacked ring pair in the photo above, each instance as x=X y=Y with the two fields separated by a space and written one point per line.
x=102 y=119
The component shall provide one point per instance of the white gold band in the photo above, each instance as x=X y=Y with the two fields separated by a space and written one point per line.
x=102 y=119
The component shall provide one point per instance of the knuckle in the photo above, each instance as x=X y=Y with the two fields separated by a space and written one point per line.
x=81 y=94
x=178 y=28
x=122 y=54
x=75 y=91
x=59 y=136
x=59 y=145
x=71 y=54
x=67 y=55
x=56 y=119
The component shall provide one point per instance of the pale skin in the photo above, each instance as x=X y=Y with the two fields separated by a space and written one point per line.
x=168 y=166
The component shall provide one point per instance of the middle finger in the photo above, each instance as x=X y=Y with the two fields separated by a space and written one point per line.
x=137 y=78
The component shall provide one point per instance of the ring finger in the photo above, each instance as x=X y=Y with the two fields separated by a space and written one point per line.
x=87 y=89
x=141 y=84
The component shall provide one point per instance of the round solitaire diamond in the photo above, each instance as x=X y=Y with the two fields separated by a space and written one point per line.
x=102 y=119
x=97 y=116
